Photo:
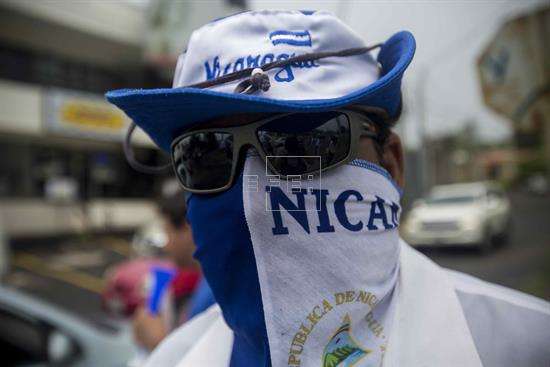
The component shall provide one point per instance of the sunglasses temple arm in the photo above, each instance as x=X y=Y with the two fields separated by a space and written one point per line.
x=366 y=132
x=369 y=134
x=133 y=162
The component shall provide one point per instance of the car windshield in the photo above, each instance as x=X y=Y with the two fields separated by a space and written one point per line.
x=464 y=199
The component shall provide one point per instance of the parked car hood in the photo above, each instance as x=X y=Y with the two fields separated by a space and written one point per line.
x=442 y=213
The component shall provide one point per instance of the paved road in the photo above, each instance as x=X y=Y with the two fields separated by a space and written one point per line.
x=524 y=263
x=70 y=273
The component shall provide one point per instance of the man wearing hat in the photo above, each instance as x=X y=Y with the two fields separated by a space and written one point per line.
x=279 y=124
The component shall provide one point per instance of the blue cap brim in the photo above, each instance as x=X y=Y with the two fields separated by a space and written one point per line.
x=165 y=113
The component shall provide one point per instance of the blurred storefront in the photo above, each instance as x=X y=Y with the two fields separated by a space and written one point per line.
x=62 y=169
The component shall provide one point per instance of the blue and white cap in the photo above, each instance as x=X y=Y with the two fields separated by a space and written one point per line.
x=253 y=39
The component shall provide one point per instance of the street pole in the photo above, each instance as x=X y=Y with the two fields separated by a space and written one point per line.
x=425 y=161
x=444 y=54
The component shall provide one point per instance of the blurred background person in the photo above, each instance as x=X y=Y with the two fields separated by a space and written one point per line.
x=150 y=329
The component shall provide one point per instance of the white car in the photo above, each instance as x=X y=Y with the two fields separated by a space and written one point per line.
x=473 y=214
x=38 y=334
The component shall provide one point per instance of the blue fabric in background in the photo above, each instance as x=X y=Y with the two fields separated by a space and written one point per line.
x=201 y=300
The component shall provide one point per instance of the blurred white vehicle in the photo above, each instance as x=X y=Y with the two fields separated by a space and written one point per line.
x=36 y=333
x=473 y=214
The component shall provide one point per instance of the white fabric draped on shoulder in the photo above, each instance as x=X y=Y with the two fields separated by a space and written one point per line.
x=438 y=328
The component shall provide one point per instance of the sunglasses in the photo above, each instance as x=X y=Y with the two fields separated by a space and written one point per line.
x=294 y=144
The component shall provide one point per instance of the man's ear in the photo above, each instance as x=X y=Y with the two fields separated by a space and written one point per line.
x=393 y=159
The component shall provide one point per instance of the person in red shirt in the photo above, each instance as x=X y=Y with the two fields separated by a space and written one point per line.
x=149 y=329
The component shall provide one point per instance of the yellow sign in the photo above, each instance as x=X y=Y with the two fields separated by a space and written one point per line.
x=94 y=116
x=81 y=114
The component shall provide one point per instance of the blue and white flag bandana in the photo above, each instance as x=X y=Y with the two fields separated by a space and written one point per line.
x=327 y=253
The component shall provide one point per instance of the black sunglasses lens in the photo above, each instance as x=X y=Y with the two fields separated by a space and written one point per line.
x=203 y=161
x=305 y=143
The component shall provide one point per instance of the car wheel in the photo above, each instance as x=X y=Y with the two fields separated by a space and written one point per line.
x=503 y=238
x=486 y=245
